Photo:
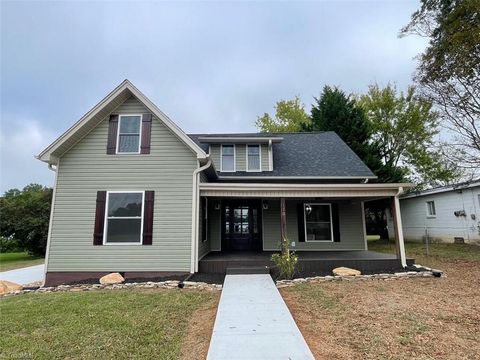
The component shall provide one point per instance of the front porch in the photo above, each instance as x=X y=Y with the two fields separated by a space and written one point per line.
x=242 y=225
x=311 y=263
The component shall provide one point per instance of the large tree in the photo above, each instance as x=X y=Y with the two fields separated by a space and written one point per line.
x=290 y=116
x=404 y=126
x=449 y=72
x=335 y=111
x=25 y=216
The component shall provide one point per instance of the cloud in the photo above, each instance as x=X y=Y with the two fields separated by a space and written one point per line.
x=211 y=66
x=20 y=140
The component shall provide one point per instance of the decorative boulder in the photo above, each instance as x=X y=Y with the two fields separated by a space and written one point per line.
x=113 y=278
x=8 y=286
x=344 y=271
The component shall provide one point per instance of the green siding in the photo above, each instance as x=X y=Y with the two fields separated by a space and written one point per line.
x=240 y=156
x=86 y=169
x=264 y=155
x=214 y=225
x=351 y=228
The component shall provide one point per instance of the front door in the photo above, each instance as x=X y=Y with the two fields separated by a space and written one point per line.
x=241 y=225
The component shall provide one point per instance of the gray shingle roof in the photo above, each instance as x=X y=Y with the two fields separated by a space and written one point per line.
x=315 y=154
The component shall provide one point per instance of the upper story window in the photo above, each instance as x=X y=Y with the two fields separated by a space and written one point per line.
x=431 y=212
x=253 y=158
x=124 y=216
x=228 y=158
x=129 y=131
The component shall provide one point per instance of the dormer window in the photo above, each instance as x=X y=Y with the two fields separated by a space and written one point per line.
x=228 y=158
x=253 y=158
x=129 y=131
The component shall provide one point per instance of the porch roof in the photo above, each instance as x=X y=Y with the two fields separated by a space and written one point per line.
x=263 y=190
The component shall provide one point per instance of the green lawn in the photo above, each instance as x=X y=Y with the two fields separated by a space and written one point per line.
x=10 y=261
x=417 y=250
x=118 y=324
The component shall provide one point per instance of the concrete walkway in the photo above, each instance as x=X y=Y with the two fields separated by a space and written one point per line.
x=25 y=275
x=253 y=322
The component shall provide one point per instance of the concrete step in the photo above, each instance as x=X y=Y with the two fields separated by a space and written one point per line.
x=242 y=270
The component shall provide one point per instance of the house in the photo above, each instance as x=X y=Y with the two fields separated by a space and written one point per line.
x=135 y=194
x=443 y=214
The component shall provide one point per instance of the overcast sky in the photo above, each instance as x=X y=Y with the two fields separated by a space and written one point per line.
x=212 y=67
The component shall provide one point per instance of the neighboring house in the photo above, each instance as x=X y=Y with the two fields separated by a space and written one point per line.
x=135 y=194
x=447 y=214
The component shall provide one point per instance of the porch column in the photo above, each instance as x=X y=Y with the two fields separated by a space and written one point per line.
x=283 y=219
x=397 y=222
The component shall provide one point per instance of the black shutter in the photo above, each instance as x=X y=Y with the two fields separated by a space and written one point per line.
x=148 y=217
x=112 y=135
x=335 y=223
x=146 y=133
x=301 y=222
x=99 y=218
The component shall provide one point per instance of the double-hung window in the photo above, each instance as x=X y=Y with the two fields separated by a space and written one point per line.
x=124 y=218
x=129 y=134
x=253 y=158
x=318 y=222
x=431 y=212
x=228 y=158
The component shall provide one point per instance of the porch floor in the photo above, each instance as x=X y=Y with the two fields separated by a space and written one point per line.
x=310 y=262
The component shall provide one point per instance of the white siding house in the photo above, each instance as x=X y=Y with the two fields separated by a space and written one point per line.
x=442 y=214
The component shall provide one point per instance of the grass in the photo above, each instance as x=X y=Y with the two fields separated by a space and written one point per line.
x=11 y=261
x=118 y=324
x=424 y=318
x=438 y=251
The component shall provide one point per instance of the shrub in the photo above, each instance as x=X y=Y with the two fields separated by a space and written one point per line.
x=25 y=216
x=286 y=262
x=8 y=245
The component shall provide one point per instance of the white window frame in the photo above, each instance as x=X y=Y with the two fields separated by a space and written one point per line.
x=429 y=215
x=105 y=225
x=234 y=157
x=305 y=222
x=259 y=157
x=139 y=135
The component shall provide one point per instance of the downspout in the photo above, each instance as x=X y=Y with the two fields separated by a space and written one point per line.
x=50 y=221
x=193 y=258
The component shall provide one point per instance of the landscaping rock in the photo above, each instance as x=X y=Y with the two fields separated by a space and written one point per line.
x=113 y=278
x=344 y=271
x=8 y=286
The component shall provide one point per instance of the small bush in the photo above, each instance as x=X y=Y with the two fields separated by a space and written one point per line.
x=286 y=261
x=9 y=245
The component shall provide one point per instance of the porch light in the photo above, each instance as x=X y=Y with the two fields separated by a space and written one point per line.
x=265 y=205
x=217 y=205
x=308 y=209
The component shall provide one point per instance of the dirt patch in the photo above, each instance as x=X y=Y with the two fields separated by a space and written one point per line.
x=413 y=318
x=200 y=327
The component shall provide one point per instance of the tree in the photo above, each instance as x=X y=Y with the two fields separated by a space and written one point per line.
x=335 y=111
x=25 y=217
x=449 y=72
x=290 y=116
x=403 y=131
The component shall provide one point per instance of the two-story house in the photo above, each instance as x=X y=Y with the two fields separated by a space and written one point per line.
x=135 y=194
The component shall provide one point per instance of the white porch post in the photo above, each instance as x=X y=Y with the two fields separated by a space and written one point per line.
x=397 y=221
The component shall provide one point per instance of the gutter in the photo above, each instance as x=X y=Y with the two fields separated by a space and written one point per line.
x=195 y=194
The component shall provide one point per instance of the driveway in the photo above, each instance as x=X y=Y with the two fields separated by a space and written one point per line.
x=253 y=322
x=25 y=275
